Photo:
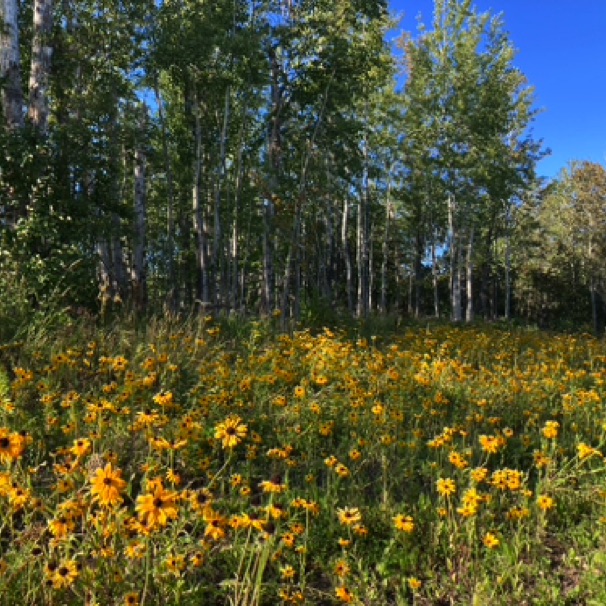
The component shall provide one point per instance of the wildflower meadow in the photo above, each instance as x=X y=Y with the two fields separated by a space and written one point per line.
x=196 y=464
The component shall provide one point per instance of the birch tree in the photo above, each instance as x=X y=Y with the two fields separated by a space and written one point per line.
x=41 y=54
x=10 y=64
x=474 y=127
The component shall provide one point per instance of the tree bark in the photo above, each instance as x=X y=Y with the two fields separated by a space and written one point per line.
x=469 y=316
x=42 y=52
x=173 y=291
x=434 y=275
x=508 y=267
x=217 y=257
x=347 y=256
x=385 y=254
x=362 y=252
x=10 y=64
x=139 y=270
x=203 y=289
x=455 y=263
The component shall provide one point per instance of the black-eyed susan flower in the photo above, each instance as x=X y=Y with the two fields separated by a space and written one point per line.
x=135 y=551
x=119 y=364
x=200 y=500
x=344 y=595
x=492 y=444
x=404 y=523
x=355 y=454
x=81 y=447
x=491 y=541
x=241 y=521
x=173 y=478
x=341 y=569
x=458 y=460
x=585 y=451
x=446 y=487
x=288 y=573
x=275 y=511
x=157 y=508
x=545 y=503
x=289 y=539
x=65 y=574
x=342 y=470
x=273 y=486
x=551 y=430
x=107 y=486
x=18 y=497
x=360 y=530
x=516 y=514
x=61 y=527
x=479 y=474
x=331 y=461
x=279 y=401
x=541 y=460
x=131 y=599
x=215 y=525
x=349 y=516
x=414 y=583
x=176 y=564
x=231 y=432
x=11 y=446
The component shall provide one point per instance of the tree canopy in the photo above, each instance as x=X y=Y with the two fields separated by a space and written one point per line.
x=280 y=157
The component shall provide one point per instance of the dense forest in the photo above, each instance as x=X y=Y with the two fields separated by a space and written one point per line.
x=282 y=157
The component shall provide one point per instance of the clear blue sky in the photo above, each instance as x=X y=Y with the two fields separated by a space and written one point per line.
x=562 y=51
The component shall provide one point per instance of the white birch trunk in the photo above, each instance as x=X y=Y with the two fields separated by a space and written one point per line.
x=139 y=269
x=435 y=274
x=455 y=263
x=469 y=275
x=198 y=214
x=10 y=64
x=347 y=256
x=42 y=53
x=508 y=267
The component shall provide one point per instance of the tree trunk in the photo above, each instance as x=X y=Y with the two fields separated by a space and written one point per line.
x=418 y=271
x=10 y=64
x=507 y=269
x=363 y=252
x=285 y=306
x=234 y=270
x=434 y=275
x=347 y=257
x=469 y=282
x=42 y=53
x=455 y=263
x=217 y=257
x=202 y=260
x=172 y=295
x=139 y=270
x=120 y=273
x=385 y=255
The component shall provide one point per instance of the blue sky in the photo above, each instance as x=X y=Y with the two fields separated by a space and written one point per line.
x=562 y=51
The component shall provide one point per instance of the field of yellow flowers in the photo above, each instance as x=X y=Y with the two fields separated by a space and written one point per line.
x=179 y=465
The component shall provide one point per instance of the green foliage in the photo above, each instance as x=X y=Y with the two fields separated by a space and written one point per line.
x=283 y=169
